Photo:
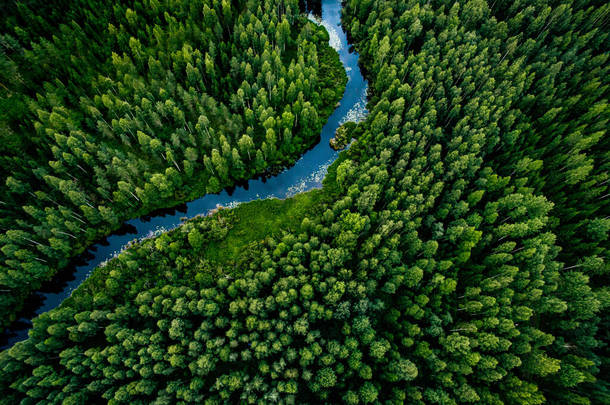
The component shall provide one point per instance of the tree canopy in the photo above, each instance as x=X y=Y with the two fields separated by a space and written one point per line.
x=461 y=259
x=112 y=110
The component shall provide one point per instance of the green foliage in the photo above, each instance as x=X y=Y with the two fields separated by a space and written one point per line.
x=113 y=110
x=341 y=139
x=261 y=219
x=459 y=254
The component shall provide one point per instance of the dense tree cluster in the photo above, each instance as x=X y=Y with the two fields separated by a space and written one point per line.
x=464 y=259
x=518 y=90
x=111 y=110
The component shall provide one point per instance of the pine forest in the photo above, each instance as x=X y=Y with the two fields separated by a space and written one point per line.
x=456 y=251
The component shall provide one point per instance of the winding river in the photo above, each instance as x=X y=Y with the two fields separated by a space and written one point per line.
x=306 y=174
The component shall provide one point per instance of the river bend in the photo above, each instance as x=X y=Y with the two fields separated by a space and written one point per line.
x=306 y=174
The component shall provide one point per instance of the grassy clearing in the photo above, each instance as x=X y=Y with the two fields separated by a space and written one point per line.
x=257 y=220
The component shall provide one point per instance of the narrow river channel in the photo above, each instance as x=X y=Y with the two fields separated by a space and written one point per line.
x=306 y=174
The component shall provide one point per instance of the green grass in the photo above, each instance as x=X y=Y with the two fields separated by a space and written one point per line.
x=255 y=221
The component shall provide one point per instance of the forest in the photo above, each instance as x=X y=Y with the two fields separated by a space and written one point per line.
x=156 y=109
x=457 y=252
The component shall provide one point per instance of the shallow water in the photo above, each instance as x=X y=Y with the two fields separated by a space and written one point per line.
x=306 y=174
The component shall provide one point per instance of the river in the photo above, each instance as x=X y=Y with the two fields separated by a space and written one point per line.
x=306 y=174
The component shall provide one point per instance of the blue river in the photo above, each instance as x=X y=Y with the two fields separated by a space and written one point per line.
x=306 y=174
